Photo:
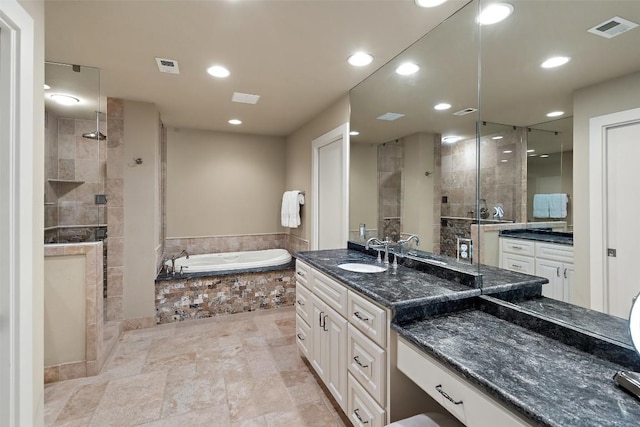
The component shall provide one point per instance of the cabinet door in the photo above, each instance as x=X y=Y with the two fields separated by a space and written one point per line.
x=568 y=281
x=336 y=345
x=551 y=270
x=318 y=354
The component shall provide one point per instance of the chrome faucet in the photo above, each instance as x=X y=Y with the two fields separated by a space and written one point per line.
x=375 y=243
x=175 y=257
x=407 y=240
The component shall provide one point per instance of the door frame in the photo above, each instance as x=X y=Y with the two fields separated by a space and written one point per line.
x=17 y=382
x=339 y=133
x=598 y=127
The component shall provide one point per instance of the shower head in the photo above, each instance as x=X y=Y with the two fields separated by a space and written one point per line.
x=99 y=136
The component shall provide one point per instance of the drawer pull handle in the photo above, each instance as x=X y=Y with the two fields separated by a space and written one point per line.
x=558 y=271
x=299 y=337
x=565 y=273
x=516 y=266
x=299 y=303
x=446 y=396
x=359 y=316
x=356 y=412
x=300 y=273
x=320 y=319
x=516 y=247
x=357 y=359
x=324 y=323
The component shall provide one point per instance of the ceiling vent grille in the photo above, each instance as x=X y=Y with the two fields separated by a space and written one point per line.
x=465 y=111
x=612 y=27
x=390 y=116
x=168 y=66
x=245 y=98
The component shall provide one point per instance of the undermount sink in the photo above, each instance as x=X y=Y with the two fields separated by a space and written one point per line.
x=362 y=268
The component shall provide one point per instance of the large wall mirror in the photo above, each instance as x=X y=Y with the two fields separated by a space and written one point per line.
x=420 y=173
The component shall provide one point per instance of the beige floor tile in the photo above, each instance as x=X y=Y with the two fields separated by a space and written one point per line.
x=261 y=363
x=286 y=326
x=217 y=416
x=132 y=400
x=248 y=400
x=190 y=394
x=255 y=422
x=283 y=419
x=169 y=362
x=302 y=386
x=316 y=414
x=82 y=403
x=287 y=358
x=81 y=422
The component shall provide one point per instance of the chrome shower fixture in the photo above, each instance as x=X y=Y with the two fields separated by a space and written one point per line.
x=96 y=134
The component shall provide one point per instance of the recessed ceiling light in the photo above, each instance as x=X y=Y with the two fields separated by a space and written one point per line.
x=450 y=139
x=46 y=87
x=360 y=59
x=497 y=137
x=407 y=69
x=507 y=151
x=235 y=122
x=218 y=71
x=354 y=133
x=495 y=13
x=442 y=106
x=532 y=155
x=65 y=99
x=555 y=113
x=429 y=3
x=531 y=150
x=544 y=156
x=556 y=61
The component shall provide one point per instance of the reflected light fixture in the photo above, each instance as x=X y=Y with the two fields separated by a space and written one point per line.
x=46 y=87
x=497 y=137
x=64 y=99
x=531 y=150
x=360 y=59
x=218 y=71
x=407 y=68
x=494 y=13
x=429 y=3
x=442 y=106
x=544 y=156
x=504 y=160
x=556 y=61
x=555 y=113
x=450 y=139
x=235 y=122
x=354 y=133
x=507 y=151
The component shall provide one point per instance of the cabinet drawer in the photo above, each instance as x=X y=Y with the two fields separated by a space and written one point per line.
x=562 y=253
x=303 y=273
x=330 y=291
x=520 y=264
x=368 y=317
x=460 y=398
x=518 y=246
x=303 y=304
x=366 y=361
x=362 y=410
x=303 y=337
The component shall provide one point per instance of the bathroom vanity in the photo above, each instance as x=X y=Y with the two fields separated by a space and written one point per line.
x=390 y=344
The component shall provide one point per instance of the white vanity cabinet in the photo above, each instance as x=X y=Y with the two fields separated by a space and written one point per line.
x=344 y=337
x=549 y=260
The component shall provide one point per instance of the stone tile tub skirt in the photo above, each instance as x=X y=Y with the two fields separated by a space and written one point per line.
x=185 y=298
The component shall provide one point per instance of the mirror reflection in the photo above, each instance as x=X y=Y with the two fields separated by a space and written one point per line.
x=547 y=73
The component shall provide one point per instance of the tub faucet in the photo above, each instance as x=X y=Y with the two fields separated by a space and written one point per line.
x=375 y=243
x=175 y=257
x=407 y=240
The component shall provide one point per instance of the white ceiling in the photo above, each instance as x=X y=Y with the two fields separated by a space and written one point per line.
x=291 y=53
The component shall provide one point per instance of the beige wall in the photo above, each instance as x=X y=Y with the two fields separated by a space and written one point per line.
x=363 y=187
x=223 y=183
x=604 y=98
x=298 y=156
x=64 y=315
x=417 y=199
x=141 y=140
x=33 y=402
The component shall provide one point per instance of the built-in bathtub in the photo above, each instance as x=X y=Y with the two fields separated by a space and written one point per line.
x=225 y=283
x=230 y=261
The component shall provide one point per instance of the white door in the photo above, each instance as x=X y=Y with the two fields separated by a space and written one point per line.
x=623 y=209
x=331 y=190
x=614 y=204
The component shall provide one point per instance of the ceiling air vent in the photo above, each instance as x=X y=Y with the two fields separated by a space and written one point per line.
x=465 y=111
x=612 y=27
x=168 y=66
x=390 y=116
x=245 y=98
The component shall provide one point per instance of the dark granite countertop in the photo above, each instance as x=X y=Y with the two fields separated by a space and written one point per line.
x=547 y=381
x=540 y=236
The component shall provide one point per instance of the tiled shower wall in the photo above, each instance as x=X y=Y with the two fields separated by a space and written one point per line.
x=70 y=157
x=390 y=165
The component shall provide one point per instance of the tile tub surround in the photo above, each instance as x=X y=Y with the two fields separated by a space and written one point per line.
x=219 y=244
x=545 y=380
x=195 y=298
x=96 y=352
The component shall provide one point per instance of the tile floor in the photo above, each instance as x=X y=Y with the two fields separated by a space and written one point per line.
x=237 y=370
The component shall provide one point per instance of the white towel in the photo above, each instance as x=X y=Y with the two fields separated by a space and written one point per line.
x=541 y=205
x=558 y=205
x=290 y=212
